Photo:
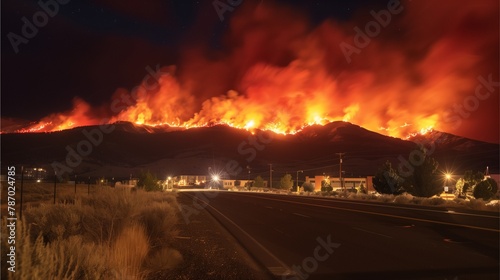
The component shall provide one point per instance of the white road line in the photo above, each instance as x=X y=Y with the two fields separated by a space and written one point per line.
x=284 y=270
x=379 y=204
x=372 y=232
x=301 y=215
x=383 y=214
x=278 y=230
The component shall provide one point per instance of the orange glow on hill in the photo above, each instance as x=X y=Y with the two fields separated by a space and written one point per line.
x=282 y=74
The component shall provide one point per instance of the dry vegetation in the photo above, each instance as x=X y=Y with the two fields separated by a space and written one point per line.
x=109 y=234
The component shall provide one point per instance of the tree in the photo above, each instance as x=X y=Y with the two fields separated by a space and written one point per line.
x=258 y=182
x=426 y=180
x=286 y=182
x=237 y=183
x=485 y=189
x=461 y=187
x=387 y=180
x=361 y=188
x=473 y=178
x=325 y=186
x=308 y=187
x=148 y=181
x=465 y=186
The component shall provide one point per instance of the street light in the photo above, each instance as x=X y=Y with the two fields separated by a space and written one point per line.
x=447 y=177
x=301 y=171
x=168 y=182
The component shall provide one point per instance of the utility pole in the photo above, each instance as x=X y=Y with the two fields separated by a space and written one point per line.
x=298 y=179
x=270 y=175
x=55 y=183
x=340 y=170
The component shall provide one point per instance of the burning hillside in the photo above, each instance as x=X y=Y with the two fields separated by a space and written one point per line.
x=410 y=68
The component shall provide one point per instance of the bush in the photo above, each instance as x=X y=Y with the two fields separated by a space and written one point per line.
x=404 y=198
x=433 y=201
x=109 y=235
x=485 y=189
x=327 y=188
x=148 y=181
x=308 y=187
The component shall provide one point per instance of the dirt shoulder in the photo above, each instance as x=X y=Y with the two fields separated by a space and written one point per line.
x=209 y=252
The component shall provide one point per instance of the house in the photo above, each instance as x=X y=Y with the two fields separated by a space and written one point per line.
x=230 y=183
x=350 y=183
x=189 y=180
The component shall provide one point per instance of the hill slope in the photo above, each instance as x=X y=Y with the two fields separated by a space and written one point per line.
x=129 y=148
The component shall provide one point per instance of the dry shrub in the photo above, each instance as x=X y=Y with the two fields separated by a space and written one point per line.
x=386 y=198
x=61 y=259
x=433 y=201
x=129 y=252
x=53 y=221
x=404 y=198
x=158 y=219
x=165 y=258
x=108 y=235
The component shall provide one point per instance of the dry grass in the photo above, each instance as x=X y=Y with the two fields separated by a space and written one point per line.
x=111 y=234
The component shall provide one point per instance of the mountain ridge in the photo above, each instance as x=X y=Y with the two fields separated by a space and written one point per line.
x=129 y=148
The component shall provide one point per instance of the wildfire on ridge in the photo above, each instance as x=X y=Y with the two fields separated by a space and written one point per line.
x=283 y=74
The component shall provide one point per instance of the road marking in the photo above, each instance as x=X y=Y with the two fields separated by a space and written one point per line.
x=449 y=240
x=378 y=204
x=281 y=270
x=372 y=232
x=182 y=237
x=278 y=230
x=386 y=215
x=278 y=270
x=402 y=207
x=301 y=215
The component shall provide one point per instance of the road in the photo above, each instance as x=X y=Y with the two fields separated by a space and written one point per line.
x=300 y=237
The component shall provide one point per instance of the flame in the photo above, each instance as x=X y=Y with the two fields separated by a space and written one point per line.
x=284 y=75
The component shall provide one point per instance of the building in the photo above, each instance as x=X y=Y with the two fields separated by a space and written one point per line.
x=189 y=180
x=230 y=183
x=350 y=183
x=35 y=173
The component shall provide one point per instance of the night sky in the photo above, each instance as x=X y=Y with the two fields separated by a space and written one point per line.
x=91 y=49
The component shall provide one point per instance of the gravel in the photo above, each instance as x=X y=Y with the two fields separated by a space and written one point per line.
x=209 y=252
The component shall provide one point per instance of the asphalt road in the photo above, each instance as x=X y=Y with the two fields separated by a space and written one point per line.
x=297 y=237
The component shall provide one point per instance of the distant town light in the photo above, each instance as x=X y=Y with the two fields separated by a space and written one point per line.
x=215 y=178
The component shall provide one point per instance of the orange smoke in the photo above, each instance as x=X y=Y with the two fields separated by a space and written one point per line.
x=280 y=73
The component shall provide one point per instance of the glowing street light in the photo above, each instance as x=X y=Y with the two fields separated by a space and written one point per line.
x=447 y=177
x=215 y=178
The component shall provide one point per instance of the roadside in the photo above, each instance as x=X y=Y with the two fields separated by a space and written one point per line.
x=209 y=251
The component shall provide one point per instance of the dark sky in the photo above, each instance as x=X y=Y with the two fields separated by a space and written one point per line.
x=90 y=49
